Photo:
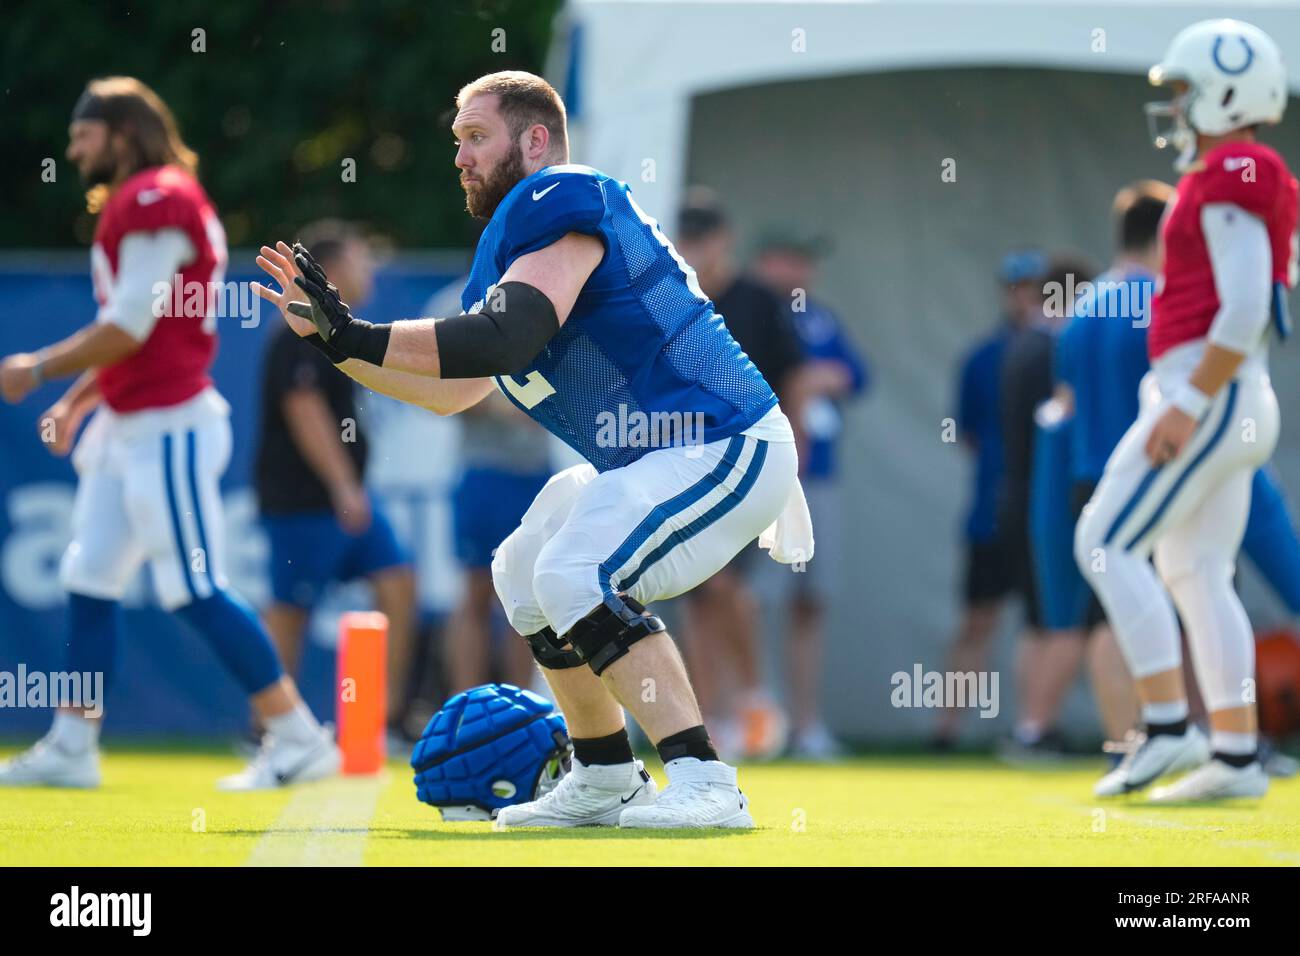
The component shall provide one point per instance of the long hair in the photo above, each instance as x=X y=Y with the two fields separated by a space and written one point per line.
x=136 y=111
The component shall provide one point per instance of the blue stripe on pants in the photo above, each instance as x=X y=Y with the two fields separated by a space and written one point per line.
x=176 y=515
x=722 y=508
x=662 y=513
x=192 y=454
x=1195 y=463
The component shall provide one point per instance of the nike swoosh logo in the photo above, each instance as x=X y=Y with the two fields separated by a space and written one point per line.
x=287 y=776
x=538 y=195
x=633 y=794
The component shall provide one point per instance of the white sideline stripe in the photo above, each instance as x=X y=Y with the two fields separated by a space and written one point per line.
x=1274 y=850
x=323 y=824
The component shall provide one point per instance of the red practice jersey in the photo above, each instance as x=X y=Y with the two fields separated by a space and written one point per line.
x=172 y=364
x=1249 y=175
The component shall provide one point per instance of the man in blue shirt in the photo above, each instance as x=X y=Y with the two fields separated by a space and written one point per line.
x=988 y=574
x=582 y=313
x=833 y=372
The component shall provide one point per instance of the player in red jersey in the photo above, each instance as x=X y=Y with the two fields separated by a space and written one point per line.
x=150 y=460
x=1178 y=484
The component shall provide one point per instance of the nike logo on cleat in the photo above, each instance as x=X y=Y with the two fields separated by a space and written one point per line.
x=632 y=794
x=286 y=776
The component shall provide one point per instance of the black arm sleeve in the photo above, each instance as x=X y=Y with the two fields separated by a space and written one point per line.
x=515 y=324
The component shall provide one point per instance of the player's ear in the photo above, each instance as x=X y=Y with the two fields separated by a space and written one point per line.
x=536 y=141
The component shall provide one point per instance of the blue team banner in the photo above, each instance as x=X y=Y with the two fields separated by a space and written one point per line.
x=167 y=681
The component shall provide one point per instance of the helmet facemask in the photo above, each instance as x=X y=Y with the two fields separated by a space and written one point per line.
x=1167 y=122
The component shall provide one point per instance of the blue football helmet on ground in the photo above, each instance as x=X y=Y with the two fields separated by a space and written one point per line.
x=490 y=747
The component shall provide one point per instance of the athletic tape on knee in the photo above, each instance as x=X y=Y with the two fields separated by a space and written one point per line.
x=549 y=651
x=609 y=632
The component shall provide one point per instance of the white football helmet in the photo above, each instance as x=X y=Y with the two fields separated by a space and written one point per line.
x=1234 y=77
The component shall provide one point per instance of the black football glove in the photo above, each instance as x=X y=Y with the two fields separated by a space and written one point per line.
x=329 y=312
x=341 y=334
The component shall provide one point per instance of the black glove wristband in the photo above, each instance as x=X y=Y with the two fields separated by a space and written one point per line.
x=329 y=351
x=362 y=340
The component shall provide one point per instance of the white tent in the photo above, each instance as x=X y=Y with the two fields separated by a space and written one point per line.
x=633 y=66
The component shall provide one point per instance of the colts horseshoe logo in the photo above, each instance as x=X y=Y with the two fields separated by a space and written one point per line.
x=1233 y=71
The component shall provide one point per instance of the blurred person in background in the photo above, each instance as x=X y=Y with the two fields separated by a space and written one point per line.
x=1101 y=358
x=149 y=464
x=834 y=372
x=723 y=610
x=322 y=524
x=988 y=581
x=1177 y=488
x=1047 y=659
x=504 y=460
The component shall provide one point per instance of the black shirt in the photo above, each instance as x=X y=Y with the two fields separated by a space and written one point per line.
x=286 y=483
x=758 y=320
x=1026 y=384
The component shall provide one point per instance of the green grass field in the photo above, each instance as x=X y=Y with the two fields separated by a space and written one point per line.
x=159 y=807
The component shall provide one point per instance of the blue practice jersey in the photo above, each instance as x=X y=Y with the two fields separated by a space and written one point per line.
x=1102 y=356
x=643 y=360
x=979 y=417
x=823 y=338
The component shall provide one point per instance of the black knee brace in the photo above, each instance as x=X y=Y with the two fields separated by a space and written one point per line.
x=549 y=651
x=608 y=632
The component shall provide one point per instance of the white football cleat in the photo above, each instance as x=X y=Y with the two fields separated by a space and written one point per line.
x=1215 y=780
x=1148 y=758
x=586 y=796
x=47 y=764
x=280 y=763
x=700 y=794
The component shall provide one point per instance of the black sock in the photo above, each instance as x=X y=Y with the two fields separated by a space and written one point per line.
x=691 y=742
x=615 y=748
x=1236 y=760
x=1174 y=728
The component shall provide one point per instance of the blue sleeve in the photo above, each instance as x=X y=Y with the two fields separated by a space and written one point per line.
x=1064 y=367
x=966 y=397
x=1270 y=539
x=841 y=348
x=568 y=202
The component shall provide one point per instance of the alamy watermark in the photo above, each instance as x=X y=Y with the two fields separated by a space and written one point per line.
x=946 y=689
x=633 y=428
x=74 y=690
x=210 y=300
x=1111 y=299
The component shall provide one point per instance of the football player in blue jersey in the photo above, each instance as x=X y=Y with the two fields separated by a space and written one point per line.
x=582 y=313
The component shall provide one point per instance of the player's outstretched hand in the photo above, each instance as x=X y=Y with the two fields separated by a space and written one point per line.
x=328 y=312
x=58 y=427
x=279 y=265
x=17 y=377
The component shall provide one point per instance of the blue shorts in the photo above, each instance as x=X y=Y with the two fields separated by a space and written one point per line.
x=485 y=507
x=311 y=550
x=1063 y=593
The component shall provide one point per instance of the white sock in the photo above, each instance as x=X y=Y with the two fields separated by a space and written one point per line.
x=1165 y=712
x=1237 y=744
x=73 y=733
x=296 y=725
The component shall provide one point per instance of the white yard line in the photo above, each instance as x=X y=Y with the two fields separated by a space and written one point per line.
x=323 y=824
x=1273 y=850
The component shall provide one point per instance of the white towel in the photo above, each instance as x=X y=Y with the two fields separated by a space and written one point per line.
x=789 y=539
